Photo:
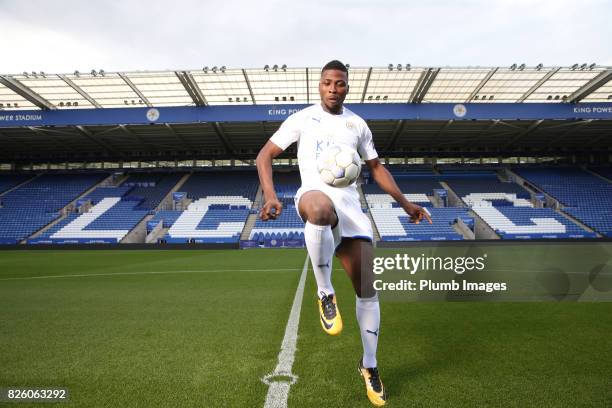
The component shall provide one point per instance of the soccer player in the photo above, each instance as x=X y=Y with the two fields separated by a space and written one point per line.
x=334 y=221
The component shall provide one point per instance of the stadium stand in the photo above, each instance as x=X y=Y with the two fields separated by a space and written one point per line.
x=528 y=223
x=8 y=181
x=418 y=185
x=394 y=225
x=217 y=212
x=288 y=229
x=423 y=187
x=603 y=171
x=220 y=205
x=484 y=169
x=507 y=209
x=151 y=187
x=115 y=212
x=104 y=192
x=109 y=221
x=220 y=183
x=168 y=217
x=583 y=195
x=206 y=220
x=30 y=207
x=488 y=186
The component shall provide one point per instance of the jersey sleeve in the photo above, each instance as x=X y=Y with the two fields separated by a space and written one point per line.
x=366 y=145
x=288 y=133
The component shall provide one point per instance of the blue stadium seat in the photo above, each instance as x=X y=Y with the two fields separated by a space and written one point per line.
x=583 y=195
x=33 y=205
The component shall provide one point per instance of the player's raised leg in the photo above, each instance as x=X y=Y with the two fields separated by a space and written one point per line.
x=317 y=210
x=356 y=256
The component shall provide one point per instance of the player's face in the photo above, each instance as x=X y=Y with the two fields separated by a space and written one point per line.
x=333 y=88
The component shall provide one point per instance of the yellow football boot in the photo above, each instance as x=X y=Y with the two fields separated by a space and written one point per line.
x=330 y=315
x=374 y=386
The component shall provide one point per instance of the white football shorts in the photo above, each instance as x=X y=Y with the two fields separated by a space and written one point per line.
x=352 y=221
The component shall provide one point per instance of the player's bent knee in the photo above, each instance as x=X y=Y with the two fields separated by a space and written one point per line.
x=321 y=214
x=317 y=209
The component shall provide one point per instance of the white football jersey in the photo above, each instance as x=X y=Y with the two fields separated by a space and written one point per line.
x=314 y=130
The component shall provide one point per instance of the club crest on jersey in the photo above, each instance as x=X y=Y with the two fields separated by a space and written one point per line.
x=350 y=125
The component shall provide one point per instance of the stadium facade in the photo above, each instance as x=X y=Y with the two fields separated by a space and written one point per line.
x=166 y=157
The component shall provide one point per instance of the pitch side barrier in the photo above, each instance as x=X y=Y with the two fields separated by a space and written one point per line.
x=258 y=113
x=115 y=246
x=485 y=242
x=380 y=244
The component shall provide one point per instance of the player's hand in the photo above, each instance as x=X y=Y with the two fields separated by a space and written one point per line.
x=271 y=210
x=417 y=213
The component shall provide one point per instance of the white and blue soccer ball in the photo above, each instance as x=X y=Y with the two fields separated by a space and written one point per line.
x=339 y=166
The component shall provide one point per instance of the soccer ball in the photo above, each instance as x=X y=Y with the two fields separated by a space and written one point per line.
x=339 y=166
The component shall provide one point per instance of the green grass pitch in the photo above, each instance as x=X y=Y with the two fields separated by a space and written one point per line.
x=189 y=328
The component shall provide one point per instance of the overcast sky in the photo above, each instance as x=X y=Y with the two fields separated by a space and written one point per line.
x=63 y=35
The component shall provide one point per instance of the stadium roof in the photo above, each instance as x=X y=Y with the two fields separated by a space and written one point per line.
x=503 y=135
x=216 y=140
x=283 y=85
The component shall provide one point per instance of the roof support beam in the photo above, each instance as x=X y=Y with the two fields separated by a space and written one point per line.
x=503 y=123
x=144 y=145
x=192 y=88
x=525 y=132
x=52 y=131
x=396 y=132
x=596 y=140
x=129 y=82
x=494 y=123
x=177 y=136
x=443 y=130
x=486 y=130
x=423 y=85
x=445 y=127
x=49 y=136
x=565 y=124
x=89 y=135
x=246 y=78
x=79 y=90
x=481 y=84
x=22 y=141
x=572 y=130
x=538 y=84
x=17 y=143
x=365 y=86
x=109 y=130
x=469 y=140
x=25 y=92
x=229 y=147
x=590 y=87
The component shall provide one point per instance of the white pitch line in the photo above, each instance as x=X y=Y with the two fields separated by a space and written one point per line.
x=85 y=275
x=278 y=390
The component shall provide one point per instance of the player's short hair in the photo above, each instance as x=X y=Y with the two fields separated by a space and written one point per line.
x=335 y=64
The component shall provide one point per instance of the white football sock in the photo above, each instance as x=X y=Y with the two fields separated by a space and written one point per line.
x=320 y=245
x=368 y=316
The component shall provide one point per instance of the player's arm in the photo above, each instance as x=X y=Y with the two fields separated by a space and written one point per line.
x=264 y=169
x=386 y=182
